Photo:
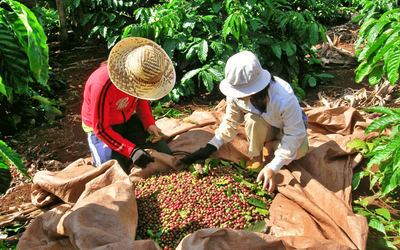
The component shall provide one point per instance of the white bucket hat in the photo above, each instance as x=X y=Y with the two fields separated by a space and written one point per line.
x=141 y=68
x=244 y=75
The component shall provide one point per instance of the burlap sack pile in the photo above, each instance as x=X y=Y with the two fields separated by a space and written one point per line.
x=311 y=211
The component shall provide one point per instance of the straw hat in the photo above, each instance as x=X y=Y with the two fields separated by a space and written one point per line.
x=244 y=75
x=141 y=68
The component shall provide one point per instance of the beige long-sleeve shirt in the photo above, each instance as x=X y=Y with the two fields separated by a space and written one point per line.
x=282 y=111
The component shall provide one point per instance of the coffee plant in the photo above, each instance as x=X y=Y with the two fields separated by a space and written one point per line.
x=385 y=229
x=373 y=9
x=7 y=158
x=215 y=194
x=24 y=68
x=47 y=18
x=384 y=152
x=200 y=36
x=379 y=39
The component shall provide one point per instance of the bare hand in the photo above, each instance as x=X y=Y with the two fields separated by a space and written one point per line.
x=154 y=130
x=269 y=178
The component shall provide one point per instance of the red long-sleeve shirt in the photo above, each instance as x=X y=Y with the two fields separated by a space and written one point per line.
x=104 y=106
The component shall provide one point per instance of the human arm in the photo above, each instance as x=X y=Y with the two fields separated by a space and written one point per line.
x=269 y=178
x=105 y=114
x=145 y=113
x=292 y=132
x=227 y=129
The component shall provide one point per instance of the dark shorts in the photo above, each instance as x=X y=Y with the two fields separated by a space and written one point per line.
x=131 y=130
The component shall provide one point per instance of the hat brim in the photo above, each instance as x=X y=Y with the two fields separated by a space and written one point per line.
x=237 y=91
x=119 y=75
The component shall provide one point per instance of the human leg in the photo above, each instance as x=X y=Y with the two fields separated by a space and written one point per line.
x=257 y=132
x=100 y=151
x=300 y=152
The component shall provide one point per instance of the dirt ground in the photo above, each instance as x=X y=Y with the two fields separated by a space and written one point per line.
x=54 y=146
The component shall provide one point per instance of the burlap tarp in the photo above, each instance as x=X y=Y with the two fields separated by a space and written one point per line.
x=312 y=209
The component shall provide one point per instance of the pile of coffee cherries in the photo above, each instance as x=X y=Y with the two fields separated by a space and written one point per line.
x=175 y=204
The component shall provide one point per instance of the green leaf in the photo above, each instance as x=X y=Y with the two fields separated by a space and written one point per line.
x=383 y=212
x=190 y=74
x=276 y=48
x=202 y=51
x=393 y=65
x=169 y=46
x=358 y=144
x=3 y=88
x=376 y=30
x=376 y=75
x=381 y=109
x=257 y=202
x=217 y=47
x=384 y=153
x=226 y=29
x=5 y=176
x=208 y=18
x=224 y=183
x=242 y=162
x=10 y=156
x=86 y=18
x=324 y=75
x=47 y=103
x=228 y=192
x=312 y=82
x=382 y=122
x=216 y=6
x=216 y=75
x=362 y=71
x=151 y=137
x=189 y=24
x=207 y=80
x=257 y=226
x=254 y=24
x=289 y=48
x=32 y=37
x=262 y=211
x=372 y=47
x=357 y=178
x=364 y=202
x=376 y=224
x=314 y=33
x=390 y=180
x=384 y=50
x=367 y=25
x=240 y=180
x=14 y=62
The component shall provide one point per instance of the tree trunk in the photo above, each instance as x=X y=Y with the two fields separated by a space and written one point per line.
x=63 y=23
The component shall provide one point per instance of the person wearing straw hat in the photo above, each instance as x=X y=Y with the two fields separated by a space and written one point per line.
x=116 y=112
x=270 y=111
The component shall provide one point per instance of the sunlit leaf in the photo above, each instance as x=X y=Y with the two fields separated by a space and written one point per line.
x=357 y=178
x=383 y=212
x=376 y=224
x=202 y=51
x=257 y=202
x=11 y=157
x=257 y=226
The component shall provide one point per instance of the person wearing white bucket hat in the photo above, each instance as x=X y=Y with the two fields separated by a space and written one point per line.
x=270 y=111
x=116 y=113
